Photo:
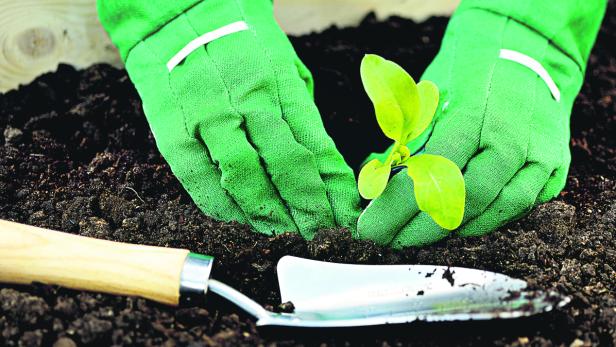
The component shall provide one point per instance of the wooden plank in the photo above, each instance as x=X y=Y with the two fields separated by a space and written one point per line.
x=303 y=16
x=37 y=35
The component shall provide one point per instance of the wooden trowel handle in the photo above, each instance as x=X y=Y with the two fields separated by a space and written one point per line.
x=29 y=254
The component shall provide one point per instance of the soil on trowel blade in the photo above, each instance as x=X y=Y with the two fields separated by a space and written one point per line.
x=76 y=154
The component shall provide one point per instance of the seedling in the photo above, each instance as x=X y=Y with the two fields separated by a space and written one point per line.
x=404 y=110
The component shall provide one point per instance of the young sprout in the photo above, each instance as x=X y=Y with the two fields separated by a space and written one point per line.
x=404 y=110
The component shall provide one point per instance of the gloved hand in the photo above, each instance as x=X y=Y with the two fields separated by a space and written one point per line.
x=233 y=112
x=508 y=72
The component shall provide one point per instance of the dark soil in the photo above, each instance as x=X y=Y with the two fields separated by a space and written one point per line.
x=76 y=155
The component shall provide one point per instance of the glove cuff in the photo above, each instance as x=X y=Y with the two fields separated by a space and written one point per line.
x=130 y=21
x=571 y=25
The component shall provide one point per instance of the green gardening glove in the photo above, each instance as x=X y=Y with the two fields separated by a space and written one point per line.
x=508 y=73
x=230 y=105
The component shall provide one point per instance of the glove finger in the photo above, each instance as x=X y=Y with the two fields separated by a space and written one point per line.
x=187 y=157
x=516 y=199
x=211 y=117
x=555 y=184
x=244 y=178
x=305 y=122
x=485 y=176
x=306 y=76
x=420 y=231
x=258 y=93
x=304 y=119
x=202 y=182
x=389 y=213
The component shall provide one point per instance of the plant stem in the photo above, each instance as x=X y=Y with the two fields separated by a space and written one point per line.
x=390 y=157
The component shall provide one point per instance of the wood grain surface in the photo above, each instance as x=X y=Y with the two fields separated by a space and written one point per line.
x=37 y=35
x=29 y=254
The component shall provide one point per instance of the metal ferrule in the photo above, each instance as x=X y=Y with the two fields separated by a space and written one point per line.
x=196 y=274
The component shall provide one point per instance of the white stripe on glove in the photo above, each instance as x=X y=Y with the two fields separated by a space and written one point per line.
x=203 y=40
x=534 y=65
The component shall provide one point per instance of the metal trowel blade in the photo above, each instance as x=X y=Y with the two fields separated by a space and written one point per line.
x=389 y=294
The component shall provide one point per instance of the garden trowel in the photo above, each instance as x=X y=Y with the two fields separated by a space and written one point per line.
x=323 y=294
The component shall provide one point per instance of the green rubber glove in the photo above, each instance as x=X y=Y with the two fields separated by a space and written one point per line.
x=502 y=122
x=234 y=116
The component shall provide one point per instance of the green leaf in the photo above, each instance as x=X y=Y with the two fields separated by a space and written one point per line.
x=394 y=94
x=439 y=188
x=428 y=102
x=373 y=179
